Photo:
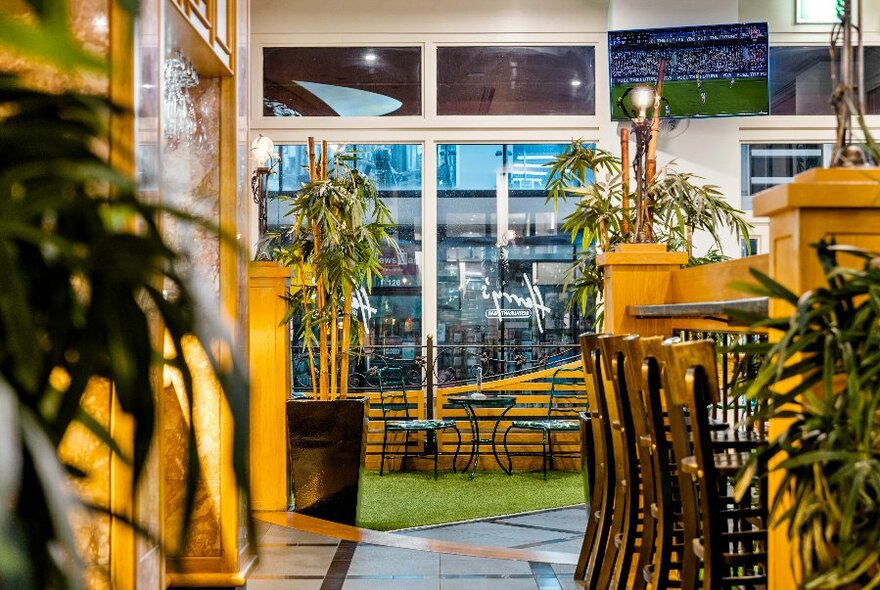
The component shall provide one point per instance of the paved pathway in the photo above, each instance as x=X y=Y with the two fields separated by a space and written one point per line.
x=294 y=559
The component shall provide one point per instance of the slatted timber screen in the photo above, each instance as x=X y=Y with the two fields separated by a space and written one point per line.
x=532 y=393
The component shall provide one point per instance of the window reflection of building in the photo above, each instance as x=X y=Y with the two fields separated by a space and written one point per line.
x=484 y=192
x=393 y=305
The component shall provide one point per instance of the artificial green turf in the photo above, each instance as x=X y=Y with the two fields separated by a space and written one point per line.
x=400 y=500
x=747 y=96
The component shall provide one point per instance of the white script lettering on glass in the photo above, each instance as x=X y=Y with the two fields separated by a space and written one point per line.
x=534 y=301
x=360 y=305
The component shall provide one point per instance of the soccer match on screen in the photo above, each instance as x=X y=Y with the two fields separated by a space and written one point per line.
x=710 y=71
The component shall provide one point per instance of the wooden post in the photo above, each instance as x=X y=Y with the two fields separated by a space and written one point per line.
x=843 y=203
x=637 y=274
x=268 y=284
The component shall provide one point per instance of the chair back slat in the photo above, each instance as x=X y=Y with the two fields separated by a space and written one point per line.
x=644 y=391
x=624 y=523
x=693 y=382
x=564 y=403
x=392 y=387
x=596 y=538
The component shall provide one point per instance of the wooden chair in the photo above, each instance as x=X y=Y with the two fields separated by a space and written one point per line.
x=596 y=537
x=661 y=551
x=396 y=417
x=729 y=540
x=625 y=517
x=561 y=404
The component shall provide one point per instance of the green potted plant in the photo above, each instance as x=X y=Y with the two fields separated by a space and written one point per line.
x=333 y=246
x=603 y=218
x=84 y=267
x=829 y=453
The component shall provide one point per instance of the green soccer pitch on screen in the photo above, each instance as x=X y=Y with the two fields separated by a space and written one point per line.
x=711 y=70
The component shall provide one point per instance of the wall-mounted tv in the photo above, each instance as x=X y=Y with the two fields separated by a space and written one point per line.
x=711 y=70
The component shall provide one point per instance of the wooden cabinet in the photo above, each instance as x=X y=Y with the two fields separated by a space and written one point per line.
x=207 y=33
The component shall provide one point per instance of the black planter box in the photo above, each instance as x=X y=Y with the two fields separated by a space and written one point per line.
x=327 y=443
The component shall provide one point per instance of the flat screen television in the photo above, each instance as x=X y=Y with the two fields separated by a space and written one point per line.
x=711 y=70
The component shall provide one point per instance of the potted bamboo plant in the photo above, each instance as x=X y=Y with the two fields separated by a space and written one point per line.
x=829 y=453
x=603 y=218
x=333 y=247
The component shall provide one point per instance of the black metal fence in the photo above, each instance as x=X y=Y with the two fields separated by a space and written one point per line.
x=431 y=366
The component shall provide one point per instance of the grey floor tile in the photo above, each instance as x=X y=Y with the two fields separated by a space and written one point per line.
x=294 y=561
x=571 y=545
x=457 y=564
x=563 y=569
x=393 y=584
x=570 y=584
x=489 y=584
x=391 y=561
x=489 y=533
x=568 y=519
x=260 y=528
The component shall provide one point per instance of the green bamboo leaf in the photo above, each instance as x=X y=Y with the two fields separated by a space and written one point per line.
x=59 y=501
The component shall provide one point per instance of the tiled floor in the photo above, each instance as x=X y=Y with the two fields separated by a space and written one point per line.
x=296 y=560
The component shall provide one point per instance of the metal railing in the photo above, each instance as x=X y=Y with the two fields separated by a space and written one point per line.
x=734 y=368
x=431 y=366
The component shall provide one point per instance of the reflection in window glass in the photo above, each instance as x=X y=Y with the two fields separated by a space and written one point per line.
x=342 y=81
x=550 y=80
x=392 y=311
x=765 y=165
x=500 y=252
x=872 y=80
x=800 y=80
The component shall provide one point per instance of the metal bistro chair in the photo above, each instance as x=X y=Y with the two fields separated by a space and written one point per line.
x=560 y=402
x=394 y=401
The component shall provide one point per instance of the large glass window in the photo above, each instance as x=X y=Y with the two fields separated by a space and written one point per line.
x=549 y=80
x=392 y=311
x=501 y=254
x=342 y=81
x=767 y=164
x=800 y=80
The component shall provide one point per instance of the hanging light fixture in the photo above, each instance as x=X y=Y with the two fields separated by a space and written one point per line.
x=265 y=157
x=179 y=120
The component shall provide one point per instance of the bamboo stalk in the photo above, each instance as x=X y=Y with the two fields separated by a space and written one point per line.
x=324 y=159
x=309 y=350
x=651 y=164
x=334 y=342
x=313 y=173
x=624 y=181
x=323 y=388
x=346 y=343
x=651 y=168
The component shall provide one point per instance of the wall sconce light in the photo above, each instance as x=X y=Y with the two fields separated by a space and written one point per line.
x=263 y=153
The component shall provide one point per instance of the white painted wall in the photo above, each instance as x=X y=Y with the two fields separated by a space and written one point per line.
x=709 y=147
x=425 y=16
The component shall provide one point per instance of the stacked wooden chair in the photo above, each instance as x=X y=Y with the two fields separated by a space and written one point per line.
x=661 y=512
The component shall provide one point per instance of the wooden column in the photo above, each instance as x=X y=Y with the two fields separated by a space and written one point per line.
x=637 y=274
x=821 y=203
x=269 y=354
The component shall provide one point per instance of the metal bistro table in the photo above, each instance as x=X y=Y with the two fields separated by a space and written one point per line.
x=470 y=404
